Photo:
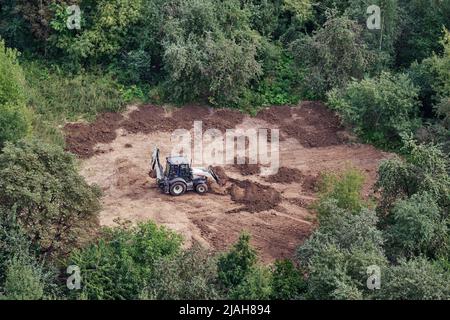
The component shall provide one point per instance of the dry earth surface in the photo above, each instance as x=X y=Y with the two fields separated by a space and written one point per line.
x=116 y=150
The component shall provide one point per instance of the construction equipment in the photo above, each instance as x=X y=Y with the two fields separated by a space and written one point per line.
x=179 y=177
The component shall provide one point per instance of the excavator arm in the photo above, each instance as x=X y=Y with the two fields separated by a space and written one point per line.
x=156 y=166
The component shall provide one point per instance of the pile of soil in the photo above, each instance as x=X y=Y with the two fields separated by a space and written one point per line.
x=247 y=169
x=148 y=119
x=316 y=126
x=81 y=138
x=254 y=196
x=286 y=175
x=275 y=114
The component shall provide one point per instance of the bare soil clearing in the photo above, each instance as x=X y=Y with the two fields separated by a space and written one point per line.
x=116 y=151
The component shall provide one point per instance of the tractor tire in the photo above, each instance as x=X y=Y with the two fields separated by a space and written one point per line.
x=201 y=188
x=177 y=189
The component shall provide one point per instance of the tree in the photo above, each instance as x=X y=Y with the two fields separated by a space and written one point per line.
x=416 y=279
x=54 y=204
x=335 y=54
x=424 y=169
x=14 y=119
x=416 y=226
x=104 y=31
x=336 y=257
x=255 y=286
x=235 y=265
x=421 y=29
x=190 y=275
x=381 y=109
x=123 y=261
x=209 y=50
x=287 y=281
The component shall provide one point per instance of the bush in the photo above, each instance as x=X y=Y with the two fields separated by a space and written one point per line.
x=235 y=265
x=416 y=226
x=123 y=261
x=14 y=119
x=336 y=257
x=425 y=169
x=381 y=109
x=416 y=279
x=24 y=281
x=345 y=188
x=190 y=275
x=54 y=205
x=59 y=96
x=287 y=281
x=335 y=54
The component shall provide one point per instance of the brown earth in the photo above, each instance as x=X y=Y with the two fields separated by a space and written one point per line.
x=116 y=151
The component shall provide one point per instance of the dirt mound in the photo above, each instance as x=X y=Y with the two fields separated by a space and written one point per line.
x=223 y=119
x=286 y=175
x=81 y=138
x=148 y=119
x=247 y=169
x=275 y=114
x=254 y=196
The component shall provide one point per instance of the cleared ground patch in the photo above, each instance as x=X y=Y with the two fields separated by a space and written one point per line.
x=273 y=209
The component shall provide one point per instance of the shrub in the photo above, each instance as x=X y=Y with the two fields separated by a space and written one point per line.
x=336 y=257
x=123 y=261
x=416 y=226
x=235 y=265
x=14 y=119
x=287 y=281
x=54 y=204
x=345 y=188
x=380 y=109
x=190 y=275
x=416 y=279
x=425 y=169
x=335 y=54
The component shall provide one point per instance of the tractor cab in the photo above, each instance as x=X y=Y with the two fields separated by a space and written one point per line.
x=178 y=167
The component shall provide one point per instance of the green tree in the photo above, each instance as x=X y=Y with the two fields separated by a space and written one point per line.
x=14 y=118
x=421 y=29
x=122 y=262
x=190 y=275
x=209 y=50
x=255 y=286
x=54 y=204
x=334 y=54
x=416 y=279
x=336 y=257
x=416 y=226
x=287 y=281
x=380 y=109
x=424 y=169
x=235 y=265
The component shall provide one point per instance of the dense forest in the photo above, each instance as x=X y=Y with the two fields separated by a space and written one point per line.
x=389 y=85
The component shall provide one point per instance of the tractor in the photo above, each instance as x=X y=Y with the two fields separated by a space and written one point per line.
x=179 y=176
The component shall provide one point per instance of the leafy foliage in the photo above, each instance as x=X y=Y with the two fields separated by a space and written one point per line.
x=14 y=119
x=416 y=279
x=381 y=109
x=123 y=261
x=417 y=226
x=190 y=275
x=335 y=54
x=53 y=202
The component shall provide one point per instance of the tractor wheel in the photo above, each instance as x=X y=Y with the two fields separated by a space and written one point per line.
x=201 y=188
x=177 y=189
